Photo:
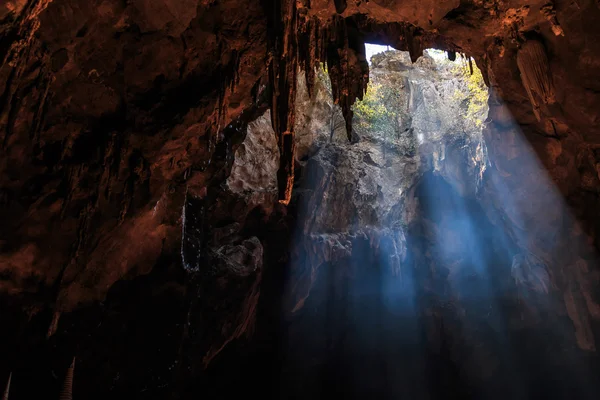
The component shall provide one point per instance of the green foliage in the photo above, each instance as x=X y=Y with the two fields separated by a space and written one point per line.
x=372 y=110
x=378 y=111
x=476 y=97
x=379 y=114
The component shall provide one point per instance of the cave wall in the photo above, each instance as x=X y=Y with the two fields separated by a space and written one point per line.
x=89 y=95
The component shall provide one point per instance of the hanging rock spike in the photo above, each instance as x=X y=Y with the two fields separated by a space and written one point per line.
x=5 y=396
x=285 y=175
x=549 y=12
x=302 y=42
x=348 y=69
x=53 y=325
x=535 y=75
x=67 y=390
x=413 y=42
x=283 y=68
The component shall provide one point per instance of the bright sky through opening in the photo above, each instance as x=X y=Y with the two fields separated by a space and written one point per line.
x=372 y=49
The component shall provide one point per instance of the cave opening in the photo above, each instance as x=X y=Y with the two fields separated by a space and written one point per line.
x=413 y=258
x=376 y=218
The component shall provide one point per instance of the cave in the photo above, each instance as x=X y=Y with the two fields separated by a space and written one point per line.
x=196 y=200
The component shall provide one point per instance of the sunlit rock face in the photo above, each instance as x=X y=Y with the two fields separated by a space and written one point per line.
x=365 y=288
x=554 y=259
x=366 y=189
x=441 y=107
x=409 y=264
x=254 y=170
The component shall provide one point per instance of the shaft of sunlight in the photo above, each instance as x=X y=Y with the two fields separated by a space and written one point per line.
x=435 y=218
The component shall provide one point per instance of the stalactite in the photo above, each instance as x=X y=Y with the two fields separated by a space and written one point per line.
x=340 y=6
x=7 y=390
x=53 y=324
x=285 y=177
x=299 y=41
x=282 y=77
x=306 y=46
x=347 y=67
x=535 y=74
x=549 y=12
x=18 y=53
x=337 y=64
x=413 y=42
x=451 y=55
x=67 y=390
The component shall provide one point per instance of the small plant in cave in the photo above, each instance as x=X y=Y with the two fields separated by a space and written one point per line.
x=375 y=111
x=475 y=99
x=379 y=114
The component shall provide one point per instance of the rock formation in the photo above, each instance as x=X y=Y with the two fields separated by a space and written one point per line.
x=7 y=390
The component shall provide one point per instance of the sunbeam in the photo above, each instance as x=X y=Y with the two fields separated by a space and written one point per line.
x=426 y=232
